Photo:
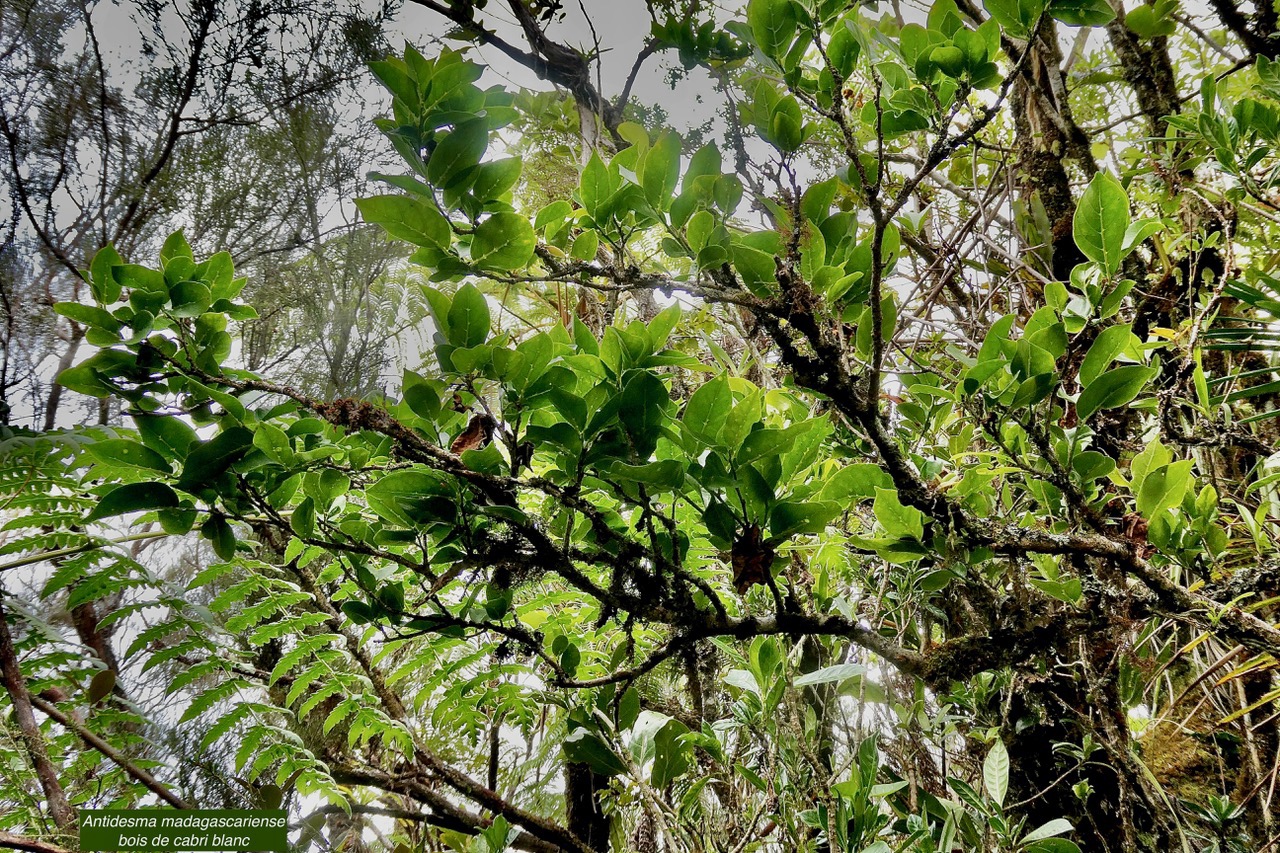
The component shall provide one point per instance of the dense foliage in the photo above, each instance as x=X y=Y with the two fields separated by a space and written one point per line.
x=894 y=472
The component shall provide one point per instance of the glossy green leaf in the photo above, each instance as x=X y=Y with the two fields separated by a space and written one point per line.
x=504 y=242
x=1058 y=826
x=1082 y=13
x=1113 y=389
x=830 y=674
x=126 y=453
x=168 y=436
x=898 y=521
x=413 y=220
x=583 y=747
x=661 y=170
x=1101 y=220
x=468 y=317
x=1106 y=348
x=773 y=25
x=133 y=497
x=210 y=459
x=1164 y=488
x=458 y=152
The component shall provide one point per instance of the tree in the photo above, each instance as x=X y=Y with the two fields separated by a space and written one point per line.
x=228 y=126
x=892 y=476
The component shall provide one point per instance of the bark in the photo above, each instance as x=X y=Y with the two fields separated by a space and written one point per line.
x=1044 y=138
x=9 y=841
x=1258 y=32
x=55 y=393
x=583 y=810
x=1147 y=69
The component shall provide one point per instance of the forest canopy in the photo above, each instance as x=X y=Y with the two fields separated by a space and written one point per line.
x=875 y=451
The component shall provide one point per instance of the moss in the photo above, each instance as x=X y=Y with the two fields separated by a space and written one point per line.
x=1183 y=759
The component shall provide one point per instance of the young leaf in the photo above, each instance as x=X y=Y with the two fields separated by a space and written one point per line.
x=995 y=772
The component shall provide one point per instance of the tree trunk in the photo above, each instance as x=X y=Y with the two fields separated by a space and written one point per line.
x=59 y=809
x=583 y=810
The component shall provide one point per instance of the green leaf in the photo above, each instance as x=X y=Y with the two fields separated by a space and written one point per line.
x=643 y=399
x=1014 y=16
x=1052 y=845
x=1058 y=826
x=412 y=220
x=89 y=315
x=1106 y=348
x=1101 y=220
x=504 y=241
x=771 y=441
x=666 y=474
x=1148 y=23
x=134 y=497
x=167 y=435
x=105 y=287
x=141 y=278
x=583 y=747
x=1082 y=13
x=359 y=612
x=303 y=520
x=791 y=518
x=121 y=451
x=458 y=152
x=175 y=246
x=1092 y=465
x=773 y=25
x=671 y=755
x=189 y=299
x=221 y=536
x=856 y=480
x=596 y=185
x=398 y=497
x=1164 y=488
x=493 y=179
x=205 y=462
x=101 y=686
x=830 y=674
x=708 y=409
x=661 y=170
x=742 y=417
x=1113 y=389
x=898 y=521
x=270 y=797
x=995 y=772
x=585 y=246
x=468 y=317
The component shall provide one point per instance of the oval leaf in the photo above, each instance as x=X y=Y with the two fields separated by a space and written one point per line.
x=1101 y=220
x=101 y=686
x=1113 y=389
x=995 y=772
x=134 y=497
x=504 y=241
